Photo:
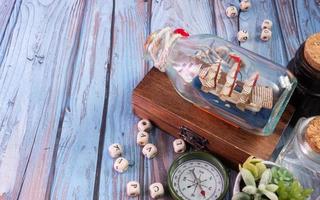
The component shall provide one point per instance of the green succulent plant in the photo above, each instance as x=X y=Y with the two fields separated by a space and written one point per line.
x=276 y=183
x=255 y=166
x=281 y=174
x=265 y=189
x=289 y=188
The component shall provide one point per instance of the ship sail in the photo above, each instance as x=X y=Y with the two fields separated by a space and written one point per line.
x=231 y=78
x=247 y=89
x=210 y=75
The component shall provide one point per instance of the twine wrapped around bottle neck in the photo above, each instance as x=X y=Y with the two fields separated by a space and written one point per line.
x=158 y=45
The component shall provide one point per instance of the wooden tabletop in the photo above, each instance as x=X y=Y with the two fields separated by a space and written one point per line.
x=67 y=71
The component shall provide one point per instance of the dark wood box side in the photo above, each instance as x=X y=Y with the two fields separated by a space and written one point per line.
x=156 y=99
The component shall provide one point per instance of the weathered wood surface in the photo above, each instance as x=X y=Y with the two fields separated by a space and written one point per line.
x=9 y=10
x=67 y=70
x=273 y=49
x=130 y=28
x=77 y=150
x=34 y=82
x=226 y=28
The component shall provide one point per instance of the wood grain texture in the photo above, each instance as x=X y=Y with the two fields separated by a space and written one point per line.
x=57 y=84
x=307 y=13
x=77 y=152
x=34 y=80
x=9 y=10
x=127 y=69
x=273 y=49
x=226 y=27
x=194 y=16
x=288 y=25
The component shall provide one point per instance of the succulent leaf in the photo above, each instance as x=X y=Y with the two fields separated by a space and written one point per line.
x=261 y=168
x=241 y=196
x=252 y=168
x=270 y=195
x=272 y=187
x=249 y=189
x=266 y=177
x=247 y=177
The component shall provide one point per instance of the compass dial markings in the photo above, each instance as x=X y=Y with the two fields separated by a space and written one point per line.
x=207 y=184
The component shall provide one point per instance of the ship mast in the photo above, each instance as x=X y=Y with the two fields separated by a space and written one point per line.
x=237 y=61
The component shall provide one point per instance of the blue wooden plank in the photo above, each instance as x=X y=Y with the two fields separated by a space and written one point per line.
x=76 y=159
x=288 y=25
x=9 y=10
x=194 y=16
x=127 y=68
x=251 y=21
x=307 y=14
x=226 y=27
x=34 y=82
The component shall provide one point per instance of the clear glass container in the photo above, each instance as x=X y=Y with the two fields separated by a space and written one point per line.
x=299 y=158
x=243 y=88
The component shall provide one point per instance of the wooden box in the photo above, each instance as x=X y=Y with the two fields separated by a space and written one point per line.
x=156 y=99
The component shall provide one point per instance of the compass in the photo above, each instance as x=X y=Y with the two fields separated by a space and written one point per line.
x=197 y=176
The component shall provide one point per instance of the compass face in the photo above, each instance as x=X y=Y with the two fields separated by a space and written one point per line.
x=197 y=180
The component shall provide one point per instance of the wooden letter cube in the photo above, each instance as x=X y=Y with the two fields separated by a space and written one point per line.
x=133 y=189
x=265 y=35
x=243 y=35
x=266 y=24
x=115 y=150
x=144 y=125
x=156 y=190
x=142 y=138
x=121 y=165
x=245 y=5
x=150 y=150
x=232 y=11
x=179 y=145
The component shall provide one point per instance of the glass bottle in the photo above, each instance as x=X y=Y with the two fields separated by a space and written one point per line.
x=306 y=68
x=241 y=87
x=301 y=159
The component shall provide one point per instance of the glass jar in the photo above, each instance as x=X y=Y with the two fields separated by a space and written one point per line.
x=241 y=87
x=306 y=67
x=301 y=159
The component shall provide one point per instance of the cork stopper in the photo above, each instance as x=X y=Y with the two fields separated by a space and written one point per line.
x=313 y=134
x=312 y=51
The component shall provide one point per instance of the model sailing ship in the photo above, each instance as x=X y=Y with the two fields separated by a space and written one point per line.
x=246 y=95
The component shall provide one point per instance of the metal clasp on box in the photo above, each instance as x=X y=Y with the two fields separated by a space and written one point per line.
x=198 y=142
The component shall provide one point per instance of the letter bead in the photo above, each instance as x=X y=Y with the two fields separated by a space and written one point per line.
x=266 y=24
x=144 y=125
x=142 y=138
x=245 y=5
x=115 y=150
x=121 y=164
x=133 y=189
x=243 y=35
x=179 y=146
x=265 y=35
x=156 y=190
x=150 y=150
x=232 y=11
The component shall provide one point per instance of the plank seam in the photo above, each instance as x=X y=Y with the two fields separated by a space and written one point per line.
x=281 y=32
x=7 y=24
x=105 y=109
x=65 y=107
